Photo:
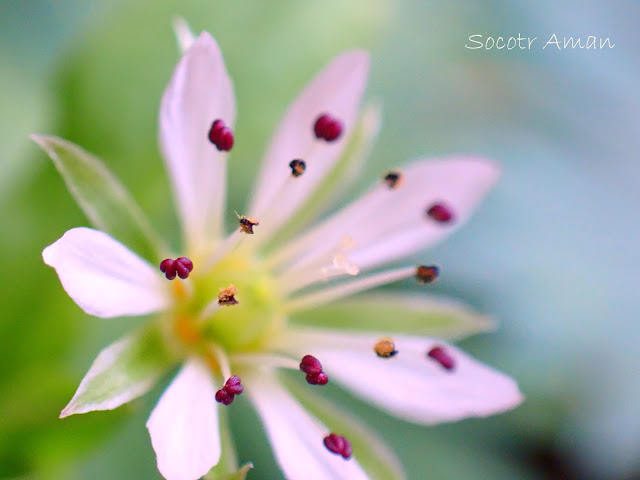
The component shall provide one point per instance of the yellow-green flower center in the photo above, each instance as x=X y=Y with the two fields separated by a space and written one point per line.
x=242 y=327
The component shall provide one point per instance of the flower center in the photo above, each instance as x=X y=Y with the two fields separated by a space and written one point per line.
x=242 y=326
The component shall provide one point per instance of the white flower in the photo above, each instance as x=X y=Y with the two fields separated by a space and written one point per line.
x=276 y=277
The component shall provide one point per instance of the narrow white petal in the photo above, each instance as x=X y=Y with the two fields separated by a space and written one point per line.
x=200 y=92
x=184 y=425
x=337 y=90
x=390 y=224
x=410 y=385
x=296 y=437
x=103 y=277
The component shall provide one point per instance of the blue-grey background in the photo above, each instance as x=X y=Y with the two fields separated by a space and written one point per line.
x=553 y=253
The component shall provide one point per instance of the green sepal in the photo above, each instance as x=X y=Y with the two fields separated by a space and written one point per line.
x=101 y=196
x=227 y=467
x=239 y=474
x=399 y=313
x=123 y=371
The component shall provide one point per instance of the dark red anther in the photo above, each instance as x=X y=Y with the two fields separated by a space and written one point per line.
x=225 y=142
x=318 y=379
x=327 y=127
x=221 y=135
x=439 y=354
x=427 y=273
x=310 y=365
x=440 y=213
x=223 y=397
x=214 y=131
x=181 y=266
x=346 y=449
x=313 y=368
x=338 y=445
x=232 y=387
x=167 y=266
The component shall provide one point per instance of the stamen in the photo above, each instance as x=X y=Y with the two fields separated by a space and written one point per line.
x=167 y=266
x=313 y=368
x=338 y=444
x=265 y=360
x=226 y=297
x=439 y=354
x=341 y=262
x=297 y=167
x=385 y=348
x=319 y=379
x=427 y=274
x=232 y=387
x=394 y=179
x=440 y=213
x=181 y=266
x=348 y=288
x=334 y=263
x=327 y=128
x=223 y=397
x=247 y=224
x=221 y=135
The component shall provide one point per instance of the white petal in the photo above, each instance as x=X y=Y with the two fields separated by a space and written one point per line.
x=103 y=277
x=411 y=385
x=296 y=437
x=337 y=90
x=184 y=425
x=389 y=224
x=200 y=92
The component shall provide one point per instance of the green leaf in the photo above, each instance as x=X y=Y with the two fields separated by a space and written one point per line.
x=240 y=474
x=400 y=312
x=373 y=455
x=121 y=372
x=102 y=198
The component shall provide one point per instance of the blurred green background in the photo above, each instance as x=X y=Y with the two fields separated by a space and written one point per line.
x=552 y=254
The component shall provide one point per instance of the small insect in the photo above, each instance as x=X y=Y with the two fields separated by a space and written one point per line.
x=247 y=224
x=297 y=167
x=385 y=348
x=393 y=179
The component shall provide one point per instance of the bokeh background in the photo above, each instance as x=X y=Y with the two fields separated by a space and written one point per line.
x=553 y=253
